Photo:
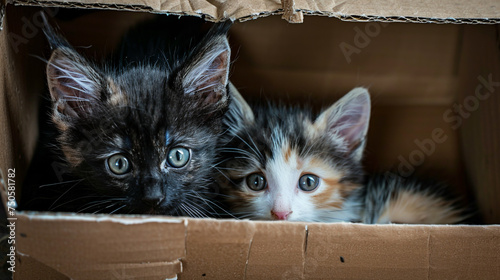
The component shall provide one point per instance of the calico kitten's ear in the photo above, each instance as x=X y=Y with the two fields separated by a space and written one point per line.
x=206 y=74
x=348 y=119
x=239 y=113
x=74 y=86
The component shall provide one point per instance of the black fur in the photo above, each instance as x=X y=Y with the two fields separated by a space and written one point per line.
x=137 y=105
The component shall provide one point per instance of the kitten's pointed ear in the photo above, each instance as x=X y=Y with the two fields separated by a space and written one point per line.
x=348 y=119
x=206 y=75
x=73 y=84
x=239 y=112
x=52 y=34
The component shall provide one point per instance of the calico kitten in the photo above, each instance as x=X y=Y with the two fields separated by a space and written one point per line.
x=139 y=133
x=283 y=163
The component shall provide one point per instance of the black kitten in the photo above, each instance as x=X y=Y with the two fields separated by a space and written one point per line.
x=139 y=132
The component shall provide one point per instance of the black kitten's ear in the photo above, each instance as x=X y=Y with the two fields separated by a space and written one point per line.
x=74 y=85
x=55 y=39
x=206 y=74
x=347 y=121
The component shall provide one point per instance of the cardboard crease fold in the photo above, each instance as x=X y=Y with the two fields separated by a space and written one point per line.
x=248 y=255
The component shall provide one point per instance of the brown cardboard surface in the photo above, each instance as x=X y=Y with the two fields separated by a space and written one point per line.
x=277 y=249
x=100 y=247
x=217 y=248
x=29 y=268
x=83 y=247
x=480 y=126
x=6 y=153
x=403 y=64
x=18 y=101
x=478 y=11
x=395 y=137
x=464 y=253
x=390 y=251
x=360 y=252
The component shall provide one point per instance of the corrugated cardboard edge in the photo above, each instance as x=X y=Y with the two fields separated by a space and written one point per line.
x=449 y=12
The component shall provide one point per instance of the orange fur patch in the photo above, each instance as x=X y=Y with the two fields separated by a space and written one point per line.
x=417 y=208
x=61 y=125
x=331 y=181
x=117 y=98
x=323 y=199
x=300 y=163
x=317 y=163
x=287 y=153
x=72 y=155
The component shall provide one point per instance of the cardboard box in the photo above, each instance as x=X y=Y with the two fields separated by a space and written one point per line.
x=416 y=72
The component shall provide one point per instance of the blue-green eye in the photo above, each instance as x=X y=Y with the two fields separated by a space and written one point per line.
x=308 y=182
x=178 y=157
x=119 y=164
x=256 y=182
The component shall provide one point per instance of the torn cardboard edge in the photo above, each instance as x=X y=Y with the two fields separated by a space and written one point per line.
x=122 y=219
x=97 y=248
x=288 y=10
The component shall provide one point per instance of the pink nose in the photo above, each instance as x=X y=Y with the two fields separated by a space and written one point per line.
x=280 y=215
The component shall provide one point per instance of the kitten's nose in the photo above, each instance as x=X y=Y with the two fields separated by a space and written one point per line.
x=280 y=215
x=153 y=200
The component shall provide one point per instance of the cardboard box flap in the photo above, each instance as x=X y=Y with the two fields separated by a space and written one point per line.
x=446 y=11
x=390 y=251
x=100 y=247
x=234 y=249
x=103 y=247
x=216 y=248
x=367 y=252
x=472 y=252
x=253 y=250
x=278 y=250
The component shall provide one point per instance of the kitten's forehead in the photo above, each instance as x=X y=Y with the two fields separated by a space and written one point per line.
x=289 y=161
x=116 y=95
x=282 y=170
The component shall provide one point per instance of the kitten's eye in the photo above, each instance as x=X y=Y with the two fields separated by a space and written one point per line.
x=178 y=157
x=256 y=182
x=119 y=164
x=308 y=182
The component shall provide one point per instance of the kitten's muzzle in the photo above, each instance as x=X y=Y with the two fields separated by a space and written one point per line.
x=153 y=200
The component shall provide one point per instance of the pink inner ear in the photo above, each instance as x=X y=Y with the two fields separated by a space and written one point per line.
x=350 y=117
x=214 y=79
x=71 y=84
x=206 y=77
x=352 y=127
